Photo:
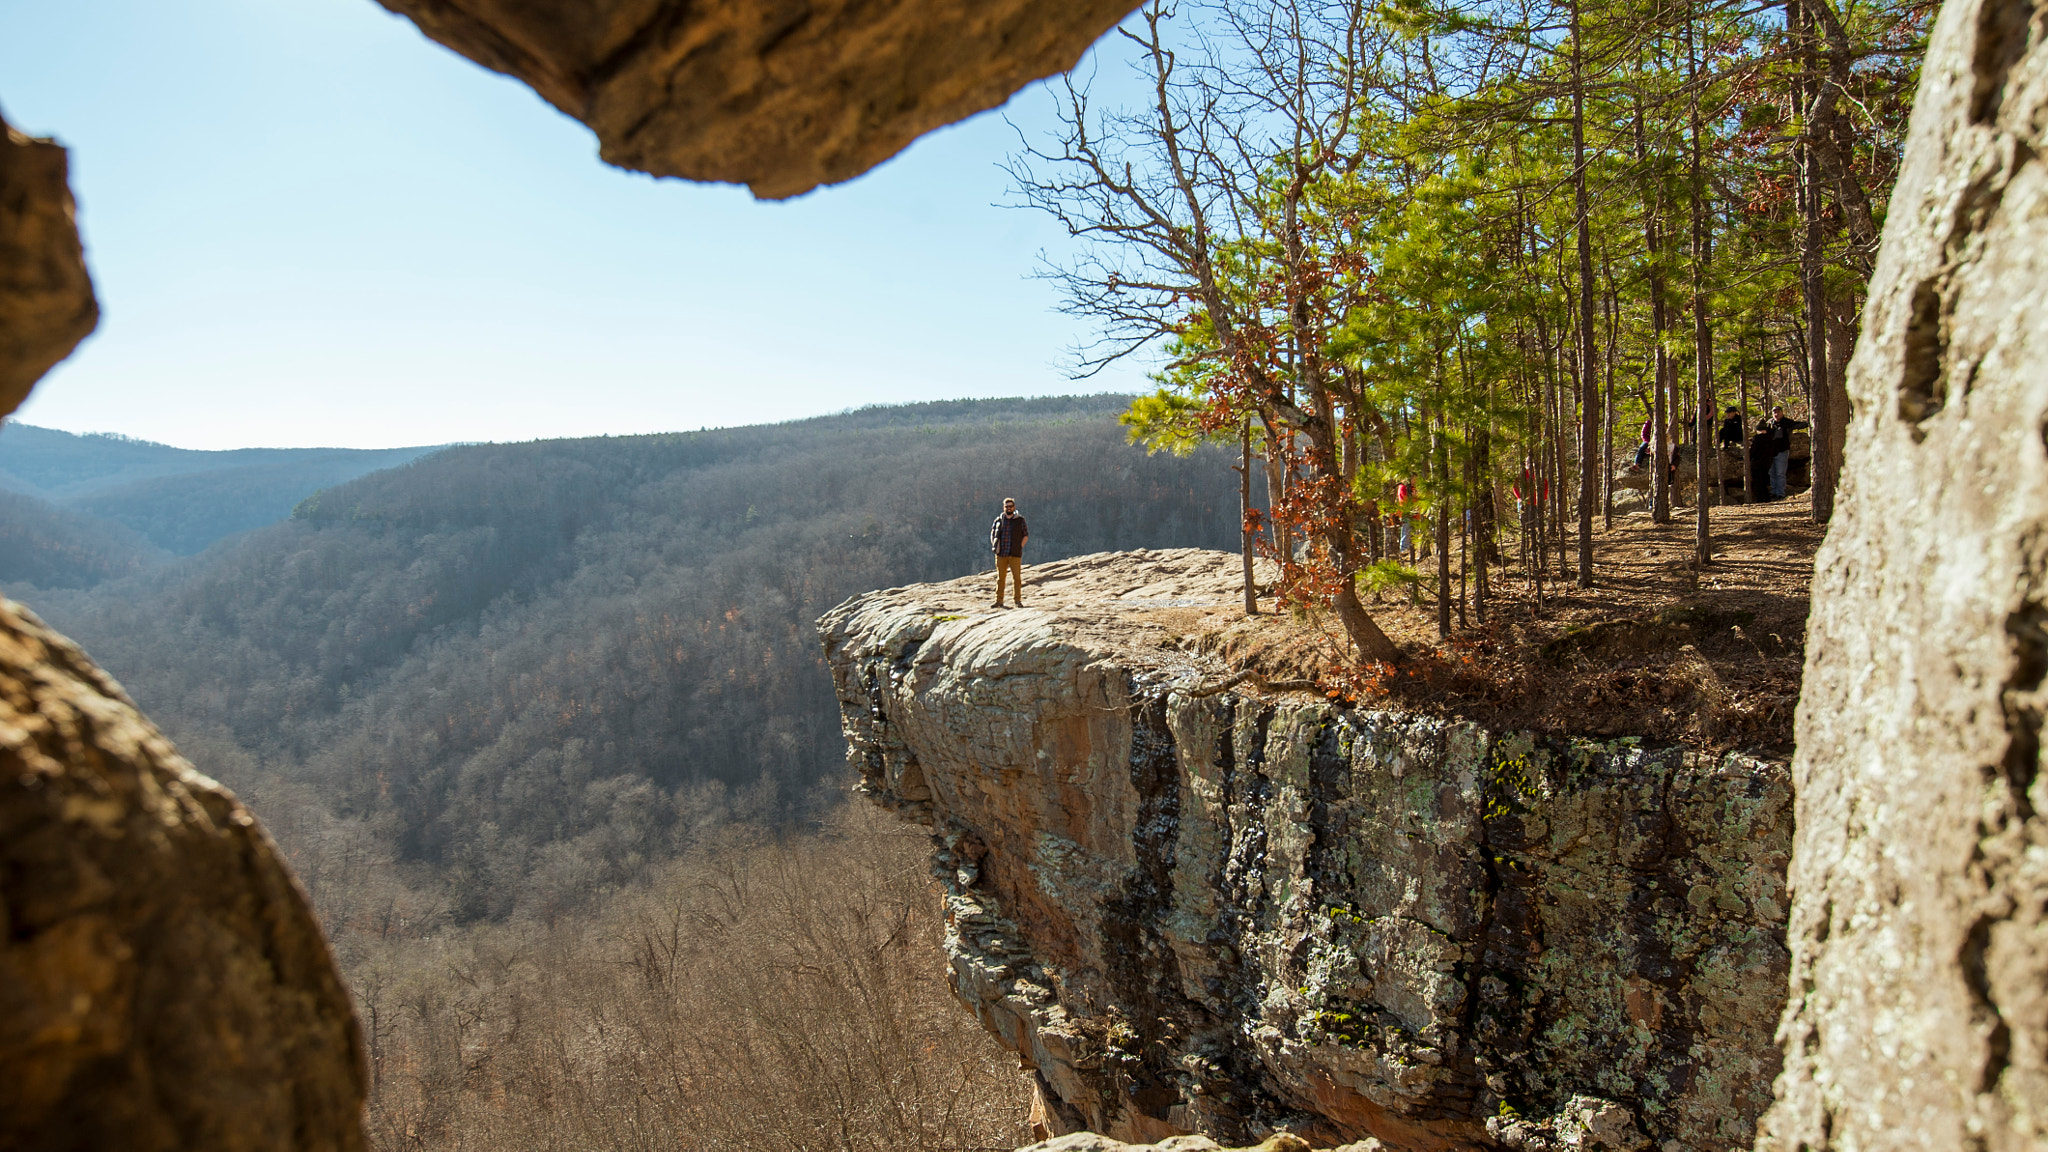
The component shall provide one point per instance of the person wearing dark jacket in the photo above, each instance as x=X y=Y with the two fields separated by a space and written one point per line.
x=1731 y=428
x=1780 y=428
x=1760 y=463
x=1006 y=539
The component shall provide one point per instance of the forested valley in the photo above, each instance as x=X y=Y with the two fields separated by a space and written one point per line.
x=545 y=730
x=542 y=668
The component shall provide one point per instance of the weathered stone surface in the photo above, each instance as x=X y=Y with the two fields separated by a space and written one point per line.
x=46 y=301
x=1919 y=1012
x=781 y=95
x=163 y=983
x=1091 y=1142
x=1233 y=914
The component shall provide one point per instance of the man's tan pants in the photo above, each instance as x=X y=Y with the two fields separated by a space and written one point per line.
x=1012 y=566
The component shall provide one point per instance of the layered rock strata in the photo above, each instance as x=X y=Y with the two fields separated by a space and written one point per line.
x=1095 y=1142
x=1232 y=914
x=163 y=982
x=782 y=96
x=1920 y=926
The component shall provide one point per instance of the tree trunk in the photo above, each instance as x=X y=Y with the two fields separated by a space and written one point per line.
x=1811 y=271
x=1468 y=543
x=1607 y=411
x=1703 y=347
x=1660 y=445
x=1485 y=550
x=1366 y=636
x=1486 y=515
x=1372 y=643
x=1276 y=491
x=1244 y=497
x=1441 y=464
x=1588 y=381
x=1841 y=340
x=1554 y=478
x=1748 y=465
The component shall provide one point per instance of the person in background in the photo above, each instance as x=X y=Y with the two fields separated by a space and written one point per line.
x=1731 y=428
x=1760 y=463
x=1402 y=492
x=1643 y=445
x=1781 y=427
x=1525 y=494
x=1006 y=539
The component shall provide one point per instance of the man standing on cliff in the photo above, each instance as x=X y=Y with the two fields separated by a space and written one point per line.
x=1006 y=539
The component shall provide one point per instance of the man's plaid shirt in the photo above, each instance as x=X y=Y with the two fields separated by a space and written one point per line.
x=1006 y=536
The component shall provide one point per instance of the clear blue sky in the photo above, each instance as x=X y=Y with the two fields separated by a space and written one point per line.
x=309 y=225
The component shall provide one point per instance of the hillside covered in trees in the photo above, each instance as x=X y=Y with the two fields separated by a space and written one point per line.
x=530 y=671
x=86 y=507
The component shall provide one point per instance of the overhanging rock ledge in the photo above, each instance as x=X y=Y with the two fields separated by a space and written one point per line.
x=780 y=96
x=1235 y=913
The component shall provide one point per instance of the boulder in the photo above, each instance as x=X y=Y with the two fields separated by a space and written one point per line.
x=163 y=982
x=780 y=95
x=46 y=301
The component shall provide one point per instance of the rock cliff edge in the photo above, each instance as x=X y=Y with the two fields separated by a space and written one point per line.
x=1241 y=912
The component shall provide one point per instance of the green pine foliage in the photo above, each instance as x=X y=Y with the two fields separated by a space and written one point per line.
x=1479 y=243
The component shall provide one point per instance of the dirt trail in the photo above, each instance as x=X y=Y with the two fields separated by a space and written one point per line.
x=1648 y=651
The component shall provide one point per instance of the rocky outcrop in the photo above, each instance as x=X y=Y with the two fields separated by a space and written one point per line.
x=1234 y=913
x=46 y=301
x=1919 y=1017
x=782 y=97
x=1095 y=1142
x=163 y=982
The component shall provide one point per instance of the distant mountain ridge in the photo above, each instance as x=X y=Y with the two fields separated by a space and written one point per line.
x=65 y=466
x=179 y=500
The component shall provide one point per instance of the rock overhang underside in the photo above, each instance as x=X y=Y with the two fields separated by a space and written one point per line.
x=1236 y=913
x=781 y=97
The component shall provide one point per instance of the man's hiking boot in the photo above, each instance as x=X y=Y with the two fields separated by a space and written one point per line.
x=997 y=604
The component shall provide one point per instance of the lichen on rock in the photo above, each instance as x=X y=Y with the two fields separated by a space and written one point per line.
x=1239 y=914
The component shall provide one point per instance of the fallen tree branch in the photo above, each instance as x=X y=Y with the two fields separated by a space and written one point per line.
x=1258 y=678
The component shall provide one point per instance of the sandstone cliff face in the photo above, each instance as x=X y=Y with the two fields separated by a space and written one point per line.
x=779 y=96
x=1231 y=913
x=163 y=983
x=1919 y=1016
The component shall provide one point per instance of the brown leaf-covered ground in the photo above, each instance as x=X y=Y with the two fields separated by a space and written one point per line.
x=1653 y=649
